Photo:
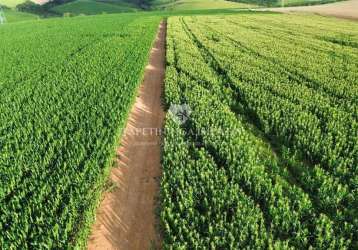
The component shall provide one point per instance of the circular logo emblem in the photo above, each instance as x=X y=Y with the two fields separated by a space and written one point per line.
x=181 y=112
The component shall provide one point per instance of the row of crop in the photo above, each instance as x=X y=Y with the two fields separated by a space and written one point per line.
x=326 y=76
x=313 y=26
x=334 y=145
x=311 y=56
x=21 y=56
x=58 y=133
x=283 y=74
x=288 y=208
x=201 y=206
x=249 y=46
x=37 y=110
x=338 y=128
x=289 y=213
x=329 y=194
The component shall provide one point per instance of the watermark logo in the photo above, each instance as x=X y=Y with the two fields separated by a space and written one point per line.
x=181 y=112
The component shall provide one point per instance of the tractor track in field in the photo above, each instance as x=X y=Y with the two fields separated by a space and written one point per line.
x=126 y=217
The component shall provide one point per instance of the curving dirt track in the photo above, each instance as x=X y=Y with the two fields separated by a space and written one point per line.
x=345 y=9
x=126 y=218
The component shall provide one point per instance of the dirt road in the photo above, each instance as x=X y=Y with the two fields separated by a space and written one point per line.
x=41 y=2
x=345 y=9
x=126 y=218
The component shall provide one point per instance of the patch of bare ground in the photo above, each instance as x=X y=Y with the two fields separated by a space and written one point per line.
x=344 y=9
x=126 y=217
x=41 y=2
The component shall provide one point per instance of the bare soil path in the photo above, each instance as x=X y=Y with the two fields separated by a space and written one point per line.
x=41 y=2
x=126 y=218
x=344 y=9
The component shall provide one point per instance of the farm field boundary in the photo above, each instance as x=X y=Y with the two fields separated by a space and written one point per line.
x=126 y=218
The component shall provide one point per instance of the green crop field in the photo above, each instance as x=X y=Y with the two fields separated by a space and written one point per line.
x=92 y=7
x=16 y=16
x=268 y=156
x=66 y=87
x=259 y=147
